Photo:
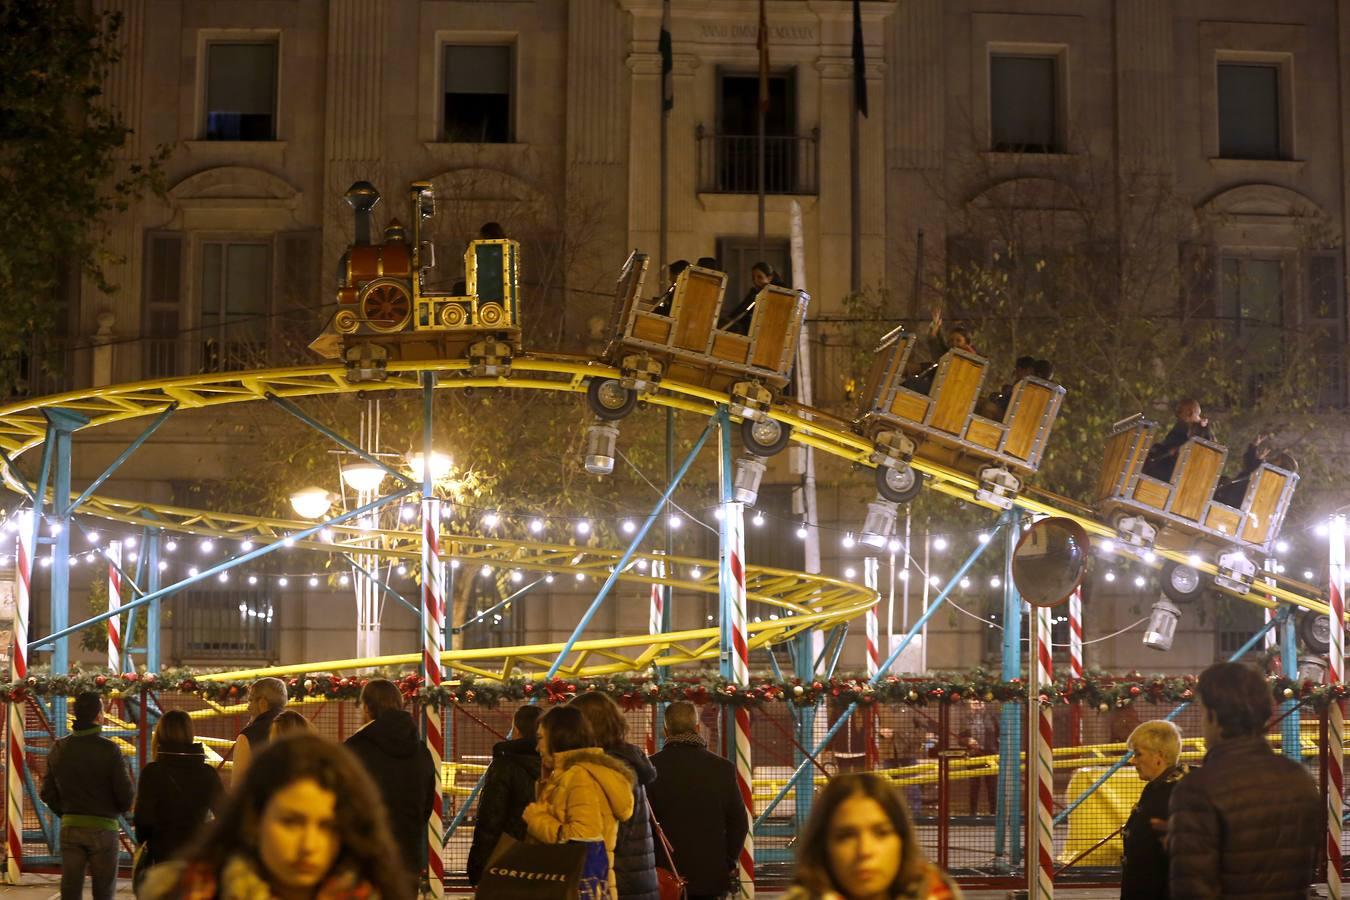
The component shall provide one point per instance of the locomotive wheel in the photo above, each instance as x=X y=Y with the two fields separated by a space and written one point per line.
x=386 y=305
x=452 y=315
x=1181 y=583
x=345 y=322
x=765 y=437
x=609 y=400
x=491 y=314
x=1314 y=629
x=899 y=485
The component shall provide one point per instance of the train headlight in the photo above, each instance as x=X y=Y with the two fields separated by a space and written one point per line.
x=749 y=473
x=600 y=440
x=1162 y=625
x=880 y=522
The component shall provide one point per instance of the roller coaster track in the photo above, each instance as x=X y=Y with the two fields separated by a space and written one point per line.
x=804 y=600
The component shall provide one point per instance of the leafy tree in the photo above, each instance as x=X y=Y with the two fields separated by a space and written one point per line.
x=59 y=169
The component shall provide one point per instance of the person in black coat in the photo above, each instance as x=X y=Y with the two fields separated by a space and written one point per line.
x=1247 y=824
x=508 y=787
x=1155 y=749
x=400 y=765
x=1162 y=456
x=738 y=319
x=697 y=805
x=176 y=792
x=635 y=849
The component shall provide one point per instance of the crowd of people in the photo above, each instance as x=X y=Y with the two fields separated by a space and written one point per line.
x=308 y=819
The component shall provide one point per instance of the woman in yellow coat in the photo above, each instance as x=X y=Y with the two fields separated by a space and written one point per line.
x=584 y=794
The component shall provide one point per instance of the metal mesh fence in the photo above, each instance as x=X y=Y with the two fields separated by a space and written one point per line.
x=959 y=767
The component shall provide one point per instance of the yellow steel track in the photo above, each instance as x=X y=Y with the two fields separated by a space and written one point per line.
x=805 y=600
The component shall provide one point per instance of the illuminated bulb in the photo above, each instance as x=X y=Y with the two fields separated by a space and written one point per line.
x=984 y=537
x=548 y=579
x=757 y=618
x=1139 y=581
x=893 y=545
x=253 y=579
x=288 y=541
x=674 y=522
x=454 y=564
x=801 y=532
x=403 y=570
x=1307 y=574
x=193 y=570
x=129 y=542
x=848 y=541
x=93 y=537
x=1281 y=546
x=89 y=557
x=163 y=565
x=581 y=576
x=407 y=513
x=344 y=580
x=283 y=581
x=73 y=561
x=1150 y=556
x=246 y=546
x=696 y=572
x=965 y=583
x=995 y=581
x=939 y=543
x=934 y=580
x=55 y=529
x=904 y=575
x=642 y=565
x=584 y=526
x=628 y=526
x=758 y=520
x=171 y=546
x=326 y=535
x=850 y=572
x=313 y=581
x=47 y=561
x=1320 y=530
x=1110 y=576
x=223 y=576
x=717 y=514
x=1194 y=560
x=485 y=571
x=517 y=576
x=207 y=545
x=131 y=557
x=536 y=526
x=490 y=520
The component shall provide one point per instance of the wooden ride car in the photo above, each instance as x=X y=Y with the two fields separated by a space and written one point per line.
x=943 y=426
x=684 y=343
x=1182 y=514
x=385 y=314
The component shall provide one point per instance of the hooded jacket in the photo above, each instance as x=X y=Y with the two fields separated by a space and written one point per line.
x=635 y=851
x=584 y=798
x=1247 y=824
x=403 y=771
x=508 y=788
x=175 y=793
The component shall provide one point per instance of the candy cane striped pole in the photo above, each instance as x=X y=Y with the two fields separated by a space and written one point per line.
x=18 y=671
x=1040 y=769
x=870 y=569
x=114 y=556
x=740 y=675
x=1272 y=633
x=658 y=598
x=1076 y=661
x=1335 y=711
x=433 y=642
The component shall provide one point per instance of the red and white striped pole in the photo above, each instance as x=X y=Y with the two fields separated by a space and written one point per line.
x=18 y=671
x=654 y=620
x=1040 y=763
x=1076 y=661
x=740 y=675
x=1335 y=711
x=1272 y=638
x=433 y=642
x=870 y=580
x=114 y=557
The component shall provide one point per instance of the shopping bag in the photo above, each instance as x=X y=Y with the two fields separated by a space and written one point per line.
x=528 y=871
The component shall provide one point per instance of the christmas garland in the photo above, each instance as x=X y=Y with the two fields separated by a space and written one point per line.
x=1100 y=690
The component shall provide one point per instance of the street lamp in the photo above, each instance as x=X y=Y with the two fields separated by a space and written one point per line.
x=440 y=465
x=311 y=502
x=364 y=478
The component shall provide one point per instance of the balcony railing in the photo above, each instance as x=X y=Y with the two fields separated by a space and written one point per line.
x=729 y=163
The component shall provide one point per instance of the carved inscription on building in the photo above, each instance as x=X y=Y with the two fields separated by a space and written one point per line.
x=719 y=31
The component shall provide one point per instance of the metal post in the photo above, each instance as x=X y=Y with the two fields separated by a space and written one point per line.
x=1040 y=763
x=114 y=554
x=153 y=622
x=18 y=671
x=61 y=423
x=433 y=641
x=1291 y=742
x=1008 y=806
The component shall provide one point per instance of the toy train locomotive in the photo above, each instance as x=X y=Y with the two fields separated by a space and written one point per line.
x=386 y=314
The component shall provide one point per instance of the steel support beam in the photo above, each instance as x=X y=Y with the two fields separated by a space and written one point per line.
x=1290 y=729
x=1008 y=802
x=351 y=448
x=61 y=424
x=124 y=455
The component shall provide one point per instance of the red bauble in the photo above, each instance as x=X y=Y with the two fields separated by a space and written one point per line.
x=1134 y=690
x=100 y=680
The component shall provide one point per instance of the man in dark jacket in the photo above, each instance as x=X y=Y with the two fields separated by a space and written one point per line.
x=697 y=805
x=1155 y=753
x=508 y=787
x=87 y=786
x=266 y=698
x=1248 y=825
x=401 y=766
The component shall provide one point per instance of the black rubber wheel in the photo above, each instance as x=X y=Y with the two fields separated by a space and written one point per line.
x=899 y=485
x=765 y=437
x=1181 y=583
x=609 y=400
x=1314 y=630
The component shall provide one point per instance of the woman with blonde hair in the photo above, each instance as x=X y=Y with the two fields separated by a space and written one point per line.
x=860 y=844
x=176 y=791
x=289 y=722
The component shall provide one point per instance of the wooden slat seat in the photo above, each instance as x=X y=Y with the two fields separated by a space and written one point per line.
x=771 y=328
x=955 y=389
x=1025 y=420
x=1198 y=468
x=698 y=299
x=1264 y=504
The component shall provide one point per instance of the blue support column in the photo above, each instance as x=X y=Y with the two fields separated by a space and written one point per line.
x=153 y=622
x=1290 y=731
x=1008 y=806
x=61 y=423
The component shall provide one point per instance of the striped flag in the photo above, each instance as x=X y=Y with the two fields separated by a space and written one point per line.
x=859 y=61
x=667 y=60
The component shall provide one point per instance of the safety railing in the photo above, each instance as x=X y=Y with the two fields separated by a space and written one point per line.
x=729 y=163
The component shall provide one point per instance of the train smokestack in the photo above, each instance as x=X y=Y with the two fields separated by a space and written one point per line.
x=362 y=197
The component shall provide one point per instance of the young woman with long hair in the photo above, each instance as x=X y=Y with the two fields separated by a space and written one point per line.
x=304 y=824
x=860 y=844
x=176 y=791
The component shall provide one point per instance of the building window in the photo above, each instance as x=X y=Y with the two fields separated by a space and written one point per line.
x=1249 y=111
x=736 y=255
x=1251 y=313
x=241 y=91
x=1024 y=104
x=236 y=280
x=227 y=624
x=477 y=89
x=163 y=310
x=1324 y=326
